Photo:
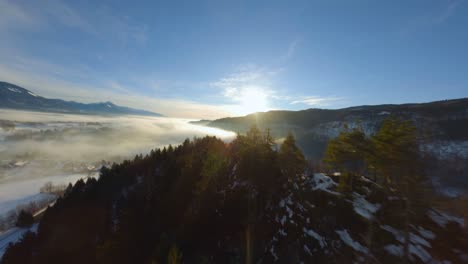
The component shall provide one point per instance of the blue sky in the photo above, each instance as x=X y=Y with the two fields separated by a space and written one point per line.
x=207 y=59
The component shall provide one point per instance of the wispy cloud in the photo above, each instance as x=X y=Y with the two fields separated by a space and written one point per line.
x=447 y=12
x=101 y=22
x=254 y=77
x=32 y=16
x=121 y=28
x=13 y=59
x=118 y=87
x=44 y=83
x=317 y=101
x=77 y=81
x=441 y=16
x=249 y=89
x=291 y=51
x=13 y=16
x=56 y=10
x=257 y=86
x=247 y=78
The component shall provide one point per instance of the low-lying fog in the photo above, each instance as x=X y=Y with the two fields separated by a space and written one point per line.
x=38 y=147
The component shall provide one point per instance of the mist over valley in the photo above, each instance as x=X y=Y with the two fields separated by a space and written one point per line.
x=40 y=147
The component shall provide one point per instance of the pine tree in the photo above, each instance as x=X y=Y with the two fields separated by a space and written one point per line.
x=347 y=154
x=292 y=161
x=395 y=150
x=396 y=158
x=25 y=219
x=257 y=166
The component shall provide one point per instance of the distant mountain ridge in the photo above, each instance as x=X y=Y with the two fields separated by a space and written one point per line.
x=442 y=128
x=446 y=120
x=18 y=98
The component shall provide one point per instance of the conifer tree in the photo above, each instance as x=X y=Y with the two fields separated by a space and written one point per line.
x=396 y=158
x=25 y=219
x=292 y=161
x=346 y=154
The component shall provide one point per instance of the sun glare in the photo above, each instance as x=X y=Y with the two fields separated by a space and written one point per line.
x=251 y=101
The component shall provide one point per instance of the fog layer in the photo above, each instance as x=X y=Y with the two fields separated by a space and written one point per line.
x=61 y=147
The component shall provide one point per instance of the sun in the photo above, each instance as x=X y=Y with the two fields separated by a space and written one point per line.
x=250 y=100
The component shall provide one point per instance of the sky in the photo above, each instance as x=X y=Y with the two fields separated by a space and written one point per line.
x=210 y=59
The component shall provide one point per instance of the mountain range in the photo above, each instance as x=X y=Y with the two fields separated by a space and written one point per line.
x=19 y=98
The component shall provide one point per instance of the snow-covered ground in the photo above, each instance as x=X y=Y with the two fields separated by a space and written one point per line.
x=13 y=235
x=447 y=149
x=12 y=204
x=23 y=192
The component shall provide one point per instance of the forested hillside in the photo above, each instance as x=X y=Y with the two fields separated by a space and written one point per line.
x=253 y=201
x=438 y=119
x=441 y=126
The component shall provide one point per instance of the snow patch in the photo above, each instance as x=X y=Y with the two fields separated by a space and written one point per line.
x=273 y=253
x=318 y=237
x=416 y=246
x=363 y=207
x=442 y=219
x=323 y=182
x=21 y=163
x=283 y=220
x=400 y=236
x=394 y=250
x=445 y=149
x=395 y=232
x=300 y=207
x=281 y=203
x=384 y=113
x=14 y=90
x=290 y=212
x=420 y=252
x=417 y=240
x=307 y=250
x=346 y=238
x=283 y=233
x=426 y=233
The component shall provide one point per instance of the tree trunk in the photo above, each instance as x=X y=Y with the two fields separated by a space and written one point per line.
x=407 y=222
x=248 y=244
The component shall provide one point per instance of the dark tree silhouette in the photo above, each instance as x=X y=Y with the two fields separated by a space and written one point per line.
x=25 y=219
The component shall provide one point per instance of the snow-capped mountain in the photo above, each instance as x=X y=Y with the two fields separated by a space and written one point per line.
x=19 y=98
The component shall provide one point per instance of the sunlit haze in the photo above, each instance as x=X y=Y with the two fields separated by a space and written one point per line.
x=250 y=100
x=233 y=131
x=211 y=59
